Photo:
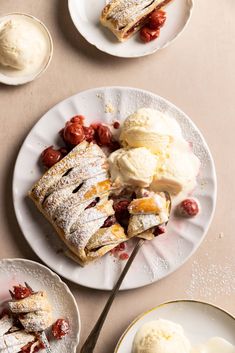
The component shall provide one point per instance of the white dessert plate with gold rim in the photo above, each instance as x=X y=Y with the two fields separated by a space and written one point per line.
x=200 y=321
x=39 y=277
x=15 y=77
x=85 y=15
x=157 y=258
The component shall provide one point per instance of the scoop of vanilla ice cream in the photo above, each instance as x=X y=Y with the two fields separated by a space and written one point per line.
x=21 y=44
x=161 y=336
x=149 y=128
x=134 y=167
x=178 y=170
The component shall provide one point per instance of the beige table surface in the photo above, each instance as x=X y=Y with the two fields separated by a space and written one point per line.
x=197 y=73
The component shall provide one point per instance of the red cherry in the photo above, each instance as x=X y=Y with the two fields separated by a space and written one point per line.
x=157 y=19
x=116 y=125
x=147 y=34
x=21 y=292
x=124 y=256
x=73 y=133
x=50 y=156
x=78 y=119
x=60 y=328
x=104 y=135
x=188 y=208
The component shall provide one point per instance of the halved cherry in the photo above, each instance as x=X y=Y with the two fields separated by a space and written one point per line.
x=147 y=34
x=157 y=19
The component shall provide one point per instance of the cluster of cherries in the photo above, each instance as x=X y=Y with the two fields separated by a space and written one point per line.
x=59 y=329
x=153 y=26
x=74 y=133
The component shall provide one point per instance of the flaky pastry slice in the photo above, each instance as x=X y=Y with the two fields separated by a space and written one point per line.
x=74 y=196
x=36 y=321
x=126 y=17
x=35 y=302
x=13 y=342
x=147 y=213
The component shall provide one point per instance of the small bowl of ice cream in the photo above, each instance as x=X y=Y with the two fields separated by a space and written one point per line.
x=161 y=336
x=26 y=48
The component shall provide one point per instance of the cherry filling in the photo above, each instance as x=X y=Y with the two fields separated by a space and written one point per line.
x=121 y=212
x=119 y=253
x=37 y=348
x=161 y=229
x=93 y=203
x=110 y=221
x=138 y=24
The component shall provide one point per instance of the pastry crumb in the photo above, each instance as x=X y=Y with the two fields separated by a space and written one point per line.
x=221 y=235
x=109 y=108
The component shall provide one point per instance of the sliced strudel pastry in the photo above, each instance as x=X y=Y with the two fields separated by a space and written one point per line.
x=74 y=196
x=126 y=17
x=34 y=302
x=147 y=213
x=36 y=321
x=13 y=342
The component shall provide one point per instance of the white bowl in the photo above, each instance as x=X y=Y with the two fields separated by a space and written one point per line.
x=11 y=76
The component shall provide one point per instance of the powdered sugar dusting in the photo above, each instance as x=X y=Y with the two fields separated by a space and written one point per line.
x=212 y=280
x=126 y=11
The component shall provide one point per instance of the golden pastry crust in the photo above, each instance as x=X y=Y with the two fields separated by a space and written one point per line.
x=35 y=302
x=74 y=195
x=126 y=17
x=64 y=194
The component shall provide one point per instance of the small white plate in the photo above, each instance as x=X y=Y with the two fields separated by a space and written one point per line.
x=200 y=321
x=10 y=76
x=85 y=15
x=39 y=277
x=157 y=258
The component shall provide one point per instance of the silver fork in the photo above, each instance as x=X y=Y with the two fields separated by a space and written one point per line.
x=90 y=343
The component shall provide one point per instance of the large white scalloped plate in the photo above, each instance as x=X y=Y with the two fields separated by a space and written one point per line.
x=200 y=321
x=157 y=258
x=39 y=277
x=85 y=15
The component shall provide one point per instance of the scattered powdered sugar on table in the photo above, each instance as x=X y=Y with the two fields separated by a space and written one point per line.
x=212 y=280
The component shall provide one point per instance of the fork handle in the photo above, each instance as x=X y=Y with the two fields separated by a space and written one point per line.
x=90 y=343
